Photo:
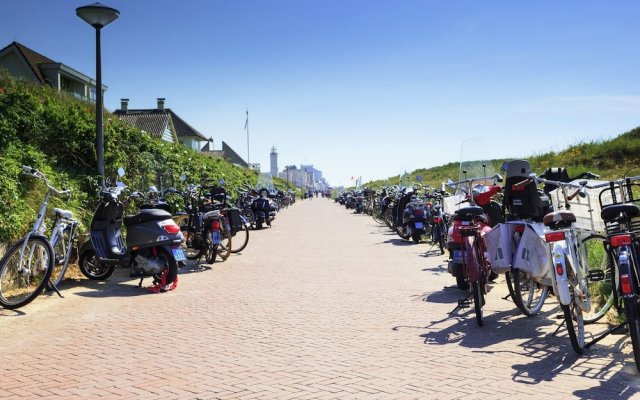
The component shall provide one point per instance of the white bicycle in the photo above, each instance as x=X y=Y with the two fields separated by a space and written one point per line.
x=27 y=266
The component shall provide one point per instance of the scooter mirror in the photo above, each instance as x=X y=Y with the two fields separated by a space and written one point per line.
x=498 y=178
x=221 y=182
x=183 y=177
x=120 y=171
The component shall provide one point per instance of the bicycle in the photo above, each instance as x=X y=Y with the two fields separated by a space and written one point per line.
x=63 y=238
x=571 y=274
x=621 y=215
x=27 y=266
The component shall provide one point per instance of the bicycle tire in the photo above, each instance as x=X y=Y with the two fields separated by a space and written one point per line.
x=377 y=215
x=241 y=239
x=224 y=248
x=478 y=302
x=574 y=321
x=211 y=249
x=522 y=283
x=388 y=218
x=12 y=297
x=601 y=291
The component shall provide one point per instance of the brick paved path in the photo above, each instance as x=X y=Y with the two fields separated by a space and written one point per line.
x=325 y=305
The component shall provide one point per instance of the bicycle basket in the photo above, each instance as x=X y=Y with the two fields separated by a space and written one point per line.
x=586 y=209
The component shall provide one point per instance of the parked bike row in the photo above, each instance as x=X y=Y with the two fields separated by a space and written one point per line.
x=153 y=242
x=573 y=239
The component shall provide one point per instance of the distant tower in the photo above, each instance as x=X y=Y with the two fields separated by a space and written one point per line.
x=274 y=162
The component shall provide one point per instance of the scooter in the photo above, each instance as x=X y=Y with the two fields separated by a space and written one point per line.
x=414 y=218
x=485 y=213
x=264 y=213
x=153 y=246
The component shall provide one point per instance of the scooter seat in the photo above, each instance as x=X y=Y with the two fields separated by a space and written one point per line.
x=146 y=215
x=212 y=215
x=611 y=212
x=470 y=212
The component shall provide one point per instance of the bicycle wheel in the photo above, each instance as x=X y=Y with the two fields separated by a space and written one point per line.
x=211 y=249
x=192 y=245
x=478 y=302
x=249 y=216
x=377 y=214
x=62 y=245
x=22 y=279
x=632 y=313
x=528 y=295
x=241 y=239
x=224 y=248
x=388 y=218
x=574 y=321
x=600 y=280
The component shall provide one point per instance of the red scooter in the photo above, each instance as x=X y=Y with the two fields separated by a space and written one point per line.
x=482 y=214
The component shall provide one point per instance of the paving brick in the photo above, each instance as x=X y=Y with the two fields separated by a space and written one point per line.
x=325 y=305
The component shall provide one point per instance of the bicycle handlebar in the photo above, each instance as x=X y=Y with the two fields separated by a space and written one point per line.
x=26 y=170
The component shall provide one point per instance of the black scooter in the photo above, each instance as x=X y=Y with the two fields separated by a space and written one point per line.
x=152 y=247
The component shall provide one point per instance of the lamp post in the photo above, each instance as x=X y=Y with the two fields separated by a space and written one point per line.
x=98 y=15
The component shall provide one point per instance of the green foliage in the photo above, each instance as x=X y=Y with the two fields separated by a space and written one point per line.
x=611 y=159
x=55 y=133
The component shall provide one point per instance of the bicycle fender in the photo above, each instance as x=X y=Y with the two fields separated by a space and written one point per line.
x=560 y=275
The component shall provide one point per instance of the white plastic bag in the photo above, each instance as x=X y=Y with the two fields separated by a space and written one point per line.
x=533 y=255
x=500 y=247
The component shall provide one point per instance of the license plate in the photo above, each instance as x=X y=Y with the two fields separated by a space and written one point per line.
x=178 y=254
x=215 y=237
x=457 y=256
x=419 y=225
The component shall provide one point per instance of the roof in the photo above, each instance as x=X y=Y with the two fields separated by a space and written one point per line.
x=232 y=156
x=183 y=129
x=152 y=123
x=32 y=58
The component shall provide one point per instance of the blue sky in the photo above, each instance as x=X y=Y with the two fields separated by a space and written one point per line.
x=361 y=87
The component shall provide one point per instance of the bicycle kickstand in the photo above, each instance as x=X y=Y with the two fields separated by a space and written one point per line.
x=462 y=303
x=51 y=286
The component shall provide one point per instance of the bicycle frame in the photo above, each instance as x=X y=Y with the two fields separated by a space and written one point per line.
x=566 y=246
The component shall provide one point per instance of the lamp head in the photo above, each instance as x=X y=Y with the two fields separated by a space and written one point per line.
x=97 y=15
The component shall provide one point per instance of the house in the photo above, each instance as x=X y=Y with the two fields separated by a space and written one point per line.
x=162 y=123
x=28 y=64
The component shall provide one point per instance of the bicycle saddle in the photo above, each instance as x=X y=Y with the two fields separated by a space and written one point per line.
x=559 y=218
x=63 y=213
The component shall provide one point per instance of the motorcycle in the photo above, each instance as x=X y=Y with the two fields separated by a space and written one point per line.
x=359 y=203
x=152 y=247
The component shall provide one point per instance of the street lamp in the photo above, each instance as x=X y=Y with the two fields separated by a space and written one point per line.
x=98 y=15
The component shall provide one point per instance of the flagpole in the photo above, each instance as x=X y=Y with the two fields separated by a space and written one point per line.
x=246 y=126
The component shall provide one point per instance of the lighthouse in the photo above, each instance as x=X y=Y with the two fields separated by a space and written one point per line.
x=274 y=162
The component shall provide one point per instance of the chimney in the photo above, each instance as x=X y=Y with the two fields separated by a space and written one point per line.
x=124 y=105
x=160 y=103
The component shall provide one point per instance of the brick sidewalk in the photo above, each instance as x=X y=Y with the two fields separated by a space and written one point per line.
x=325 y=305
